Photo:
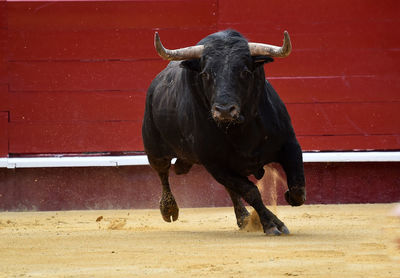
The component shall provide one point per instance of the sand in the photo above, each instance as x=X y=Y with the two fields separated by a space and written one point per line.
x=325 y=241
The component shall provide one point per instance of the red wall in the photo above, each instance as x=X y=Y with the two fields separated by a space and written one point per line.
x=73 y=74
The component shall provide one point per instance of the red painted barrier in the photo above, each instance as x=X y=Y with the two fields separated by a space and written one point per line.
x=96 y=44
x=95 y=15
x=344 y=118
x=348 y=142
x=3 y=134
x=77 y=106
x=81 y=137
x=4 y=104
x=73 y=74
x=338 y=89
x=4 y=98
x=83 y=76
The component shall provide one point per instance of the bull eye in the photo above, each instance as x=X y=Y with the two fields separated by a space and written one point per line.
x=205 y=75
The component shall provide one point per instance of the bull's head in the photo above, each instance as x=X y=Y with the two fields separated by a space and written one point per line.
x=229 y=69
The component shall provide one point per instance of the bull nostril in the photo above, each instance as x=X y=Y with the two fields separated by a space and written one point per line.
x=225 y=109
x=227 y=112
x=234 y=111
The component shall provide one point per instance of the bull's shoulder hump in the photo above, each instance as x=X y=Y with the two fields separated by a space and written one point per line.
x=172 y=71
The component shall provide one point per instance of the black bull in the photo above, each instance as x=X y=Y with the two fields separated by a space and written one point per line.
x=214 y=107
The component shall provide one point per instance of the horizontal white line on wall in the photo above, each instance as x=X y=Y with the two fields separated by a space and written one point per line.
x=77 y=161
x=114 y=161
x=351 y=156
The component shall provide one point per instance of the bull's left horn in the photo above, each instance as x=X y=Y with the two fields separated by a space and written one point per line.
x=187 y=53
x=272 y=50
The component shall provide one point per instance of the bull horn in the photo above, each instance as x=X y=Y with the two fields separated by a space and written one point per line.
x=187 y=53
x=272 y=50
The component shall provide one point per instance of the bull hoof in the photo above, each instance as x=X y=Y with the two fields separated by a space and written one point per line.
x=295 y=196
x=168 y=207
x=277 y=230
x=242 y=221
x=273 y=232
x=284 y=230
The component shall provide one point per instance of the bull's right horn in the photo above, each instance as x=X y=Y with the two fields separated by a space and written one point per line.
x=187 y=53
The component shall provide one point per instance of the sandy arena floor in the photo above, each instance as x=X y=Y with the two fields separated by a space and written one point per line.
x=325 y=241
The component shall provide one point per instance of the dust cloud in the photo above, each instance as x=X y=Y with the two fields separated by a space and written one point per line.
x=268 y=187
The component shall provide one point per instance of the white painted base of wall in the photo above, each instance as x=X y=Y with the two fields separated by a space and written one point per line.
x=351 y=156
x=108 y=161
x=77 y=161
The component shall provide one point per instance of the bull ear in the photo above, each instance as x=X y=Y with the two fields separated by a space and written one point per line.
x=261 y=60
x=193 y=65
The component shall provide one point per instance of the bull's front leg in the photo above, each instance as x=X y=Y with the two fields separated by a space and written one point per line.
x=244 y=188
x=291 y=159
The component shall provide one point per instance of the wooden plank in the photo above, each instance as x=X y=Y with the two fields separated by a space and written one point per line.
x=328 y=35
x=3 y=134
x=4 y=98
x=349 y=143
x=3 y=14
x=77 y=106
x=97 y=44
x=136 y=75
x=3 y=73
x=273 y=12
x=336 y=63
x=324 y=35
x=76 y=137
x=345 y=118
x=337 y=89
x=3 y=56
x=95 y=15
x=84 y=76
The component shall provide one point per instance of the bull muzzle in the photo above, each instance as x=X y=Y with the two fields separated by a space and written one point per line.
x=226 y=113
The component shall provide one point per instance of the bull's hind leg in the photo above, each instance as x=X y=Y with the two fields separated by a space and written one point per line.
x=168 y=207
x=240 y=210
x=270 y=222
